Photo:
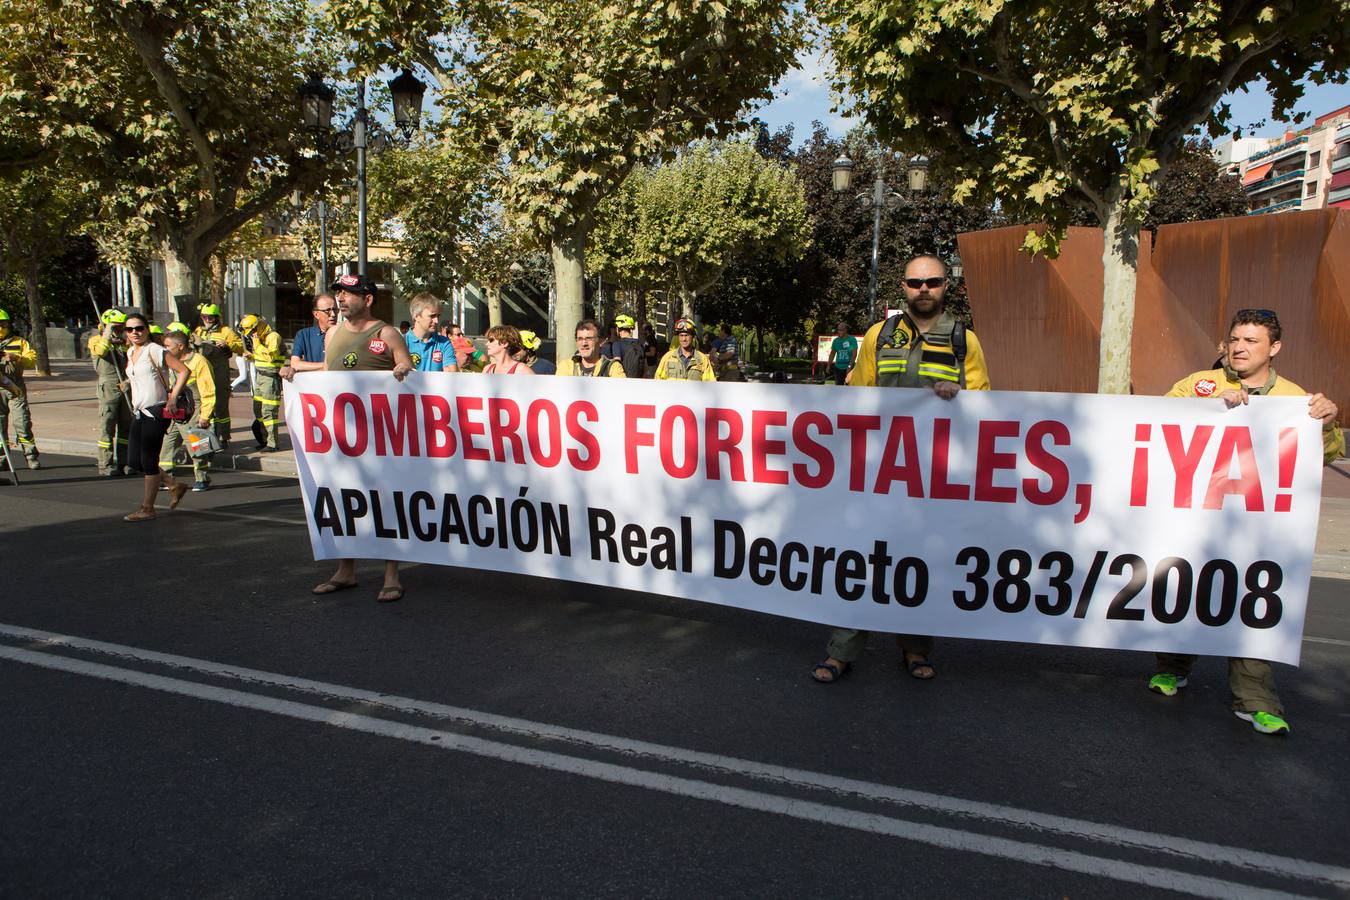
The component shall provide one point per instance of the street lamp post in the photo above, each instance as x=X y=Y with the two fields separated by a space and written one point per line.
x=316 y=109
x=881 y=198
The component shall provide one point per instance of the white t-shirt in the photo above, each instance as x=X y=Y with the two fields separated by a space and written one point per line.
x=147 y=387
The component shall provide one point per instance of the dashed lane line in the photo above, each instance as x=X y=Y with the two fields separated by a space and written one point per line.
x=1153 y=877
x=1005 y=815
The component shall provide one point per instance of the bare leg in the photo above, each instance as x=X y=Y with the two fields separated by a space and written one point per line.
x=393 y=588
x=344 y=577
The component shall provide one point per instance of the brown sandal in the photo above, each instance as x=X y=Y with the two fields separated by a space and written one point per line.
x=139 y=515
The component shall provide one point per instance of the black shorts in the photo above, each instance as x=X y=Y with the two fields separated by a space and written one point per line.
x=145 y=442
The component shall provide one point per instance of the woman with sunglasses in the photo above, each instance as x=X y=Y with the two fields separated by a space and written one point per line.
x=152 y=396
x=503 y=343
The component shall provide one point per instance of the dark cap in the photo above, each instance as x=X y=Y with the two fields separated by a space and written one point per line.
x=356 y=284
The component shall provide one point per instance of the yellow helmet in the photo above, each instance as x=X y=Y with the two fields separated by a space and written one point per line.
x=249 y=322
x=176 y=326
x=155 y=329
x=529 y=340
x=113 y=316
x=625 y=322
x=209 y=309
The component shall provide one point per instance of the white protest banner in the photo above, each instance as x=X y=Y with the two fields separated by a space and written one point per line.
x=1095 y=521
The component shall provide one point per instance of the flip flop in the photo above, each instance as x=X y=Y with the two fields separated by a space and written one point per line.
x=920 y=663
x=176 y=494
x=138 y=516
x=389 y=594
x=332 y=587
x=836 y=673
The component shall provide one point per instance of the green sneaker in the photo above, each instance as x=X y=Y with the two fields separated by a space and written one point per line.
x=1166 y=683
x=1264 y=722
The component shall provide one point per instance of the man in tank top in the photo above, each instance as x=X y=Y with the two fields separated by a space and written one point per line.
x=362 y=343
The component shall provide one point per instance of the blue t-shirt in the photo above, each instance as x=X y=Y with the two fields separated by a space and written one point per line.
x=845 y=348
x=308 y=344
x=432 y=354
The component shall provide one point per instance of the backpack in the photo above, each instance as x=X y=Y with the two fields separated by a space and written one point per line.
x=629 y=353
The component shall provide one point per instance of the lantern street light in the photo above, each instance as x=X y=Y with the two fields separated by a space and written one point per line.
x=881 y=198
x=316 y=111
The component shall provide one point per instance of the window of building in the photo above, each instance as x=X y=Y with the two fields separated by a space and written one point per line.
x=1311 y=189
x=1315 y=159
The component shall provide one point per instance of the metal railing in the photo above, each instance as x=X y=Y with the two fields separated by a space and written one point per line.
x=1283 y=205
x=1258 y=187
x=1278 y=148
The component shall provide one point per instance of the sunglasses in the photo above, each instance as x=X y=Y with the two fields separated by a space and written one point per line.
x=136 y=328
x=930 y=283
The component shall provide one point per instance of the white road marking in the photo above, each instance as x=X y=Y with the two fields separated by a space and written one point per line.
x=1332 y=641
x=947 y=838
x=1007 y=815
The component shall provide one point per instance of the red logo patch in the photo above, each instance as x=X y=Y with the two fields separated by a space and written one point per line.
x=377 y=346
x=1205 y=387
x=349 y=280
x=437 y=356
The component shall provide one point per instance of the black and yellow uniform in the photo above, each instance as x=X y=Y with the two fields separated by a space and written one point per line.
x=218 y=344
x=676 y=366
x=1250 y=681
x=114 y=412
x=897 y=353
x=17 y=356
x=202 y=385
x=891 y=357
x=269 y=355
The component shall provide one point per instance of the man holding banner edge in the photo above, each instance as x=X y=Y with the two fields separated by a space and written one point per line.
x=1253 y=342
x=922 y=347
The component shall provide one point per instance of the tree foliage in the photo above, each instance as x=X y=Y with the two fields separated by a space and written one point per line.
x=571 y=96
x=1046 y=105
x=183 y=115
x=683 y=223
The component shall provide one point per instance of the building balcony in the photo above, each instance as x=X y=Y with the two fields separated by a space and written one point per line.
x=1260 y=187
x=1282 y=206
x=1340 y=163
x=1343 y=133
x=1280 y=151
x=1339 y=197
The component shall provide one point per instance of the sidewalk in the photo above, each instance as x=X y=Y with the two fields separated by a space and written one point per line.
x=65 y=419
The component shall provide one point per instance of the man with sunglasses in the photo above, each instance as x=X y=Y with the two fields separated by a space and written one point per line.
x=307 y=351
x=108 y=351
x=923 y=347
x=1253 y=342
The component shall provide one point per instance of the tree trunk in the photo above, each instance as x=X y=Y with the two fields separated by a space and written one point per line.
x=493 y=297
x=217 y=281
x=1120 y=268
x=183 y=282
x=568 y=250
x=138 y=297
x=38 y=333
x=640 y=295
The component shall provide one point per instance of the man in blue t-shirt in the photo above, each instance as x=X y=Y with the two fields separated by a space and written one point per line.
x=431 y=351
x=307 y=350
x=843 y=352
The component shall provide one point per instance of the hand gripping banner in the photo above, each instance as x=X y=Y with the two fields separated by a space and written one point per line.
x=1085 y=520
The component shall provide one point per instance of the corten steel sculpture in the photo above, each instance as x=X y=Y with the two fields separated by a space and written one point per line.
x=1041 y=319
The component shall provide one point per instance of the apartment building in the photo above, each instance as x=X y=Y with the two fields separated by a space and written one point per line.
x=1297 y=171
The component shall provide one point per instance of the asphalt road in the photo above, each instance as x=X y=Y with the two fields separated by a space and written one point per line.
x=179 y=716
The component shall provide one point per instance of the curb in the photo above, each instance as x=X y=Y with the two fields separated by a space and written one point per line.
x=280 y=463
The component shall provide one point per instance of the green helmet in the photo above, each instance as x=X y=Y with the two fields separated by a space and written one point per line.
x=209 y=309
x=4 y=316
x=113 y=316
x=626 y=323
x=155 y=329
x=177 y=326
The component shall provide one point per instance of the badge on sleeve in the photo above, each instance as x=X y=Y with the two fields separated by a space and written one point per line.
x=377 y=346
x=437 y=357
x=1205 y=387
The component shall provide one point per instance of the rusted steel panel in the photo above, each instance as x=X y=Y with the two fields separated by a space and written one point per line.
x=1039 y=320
